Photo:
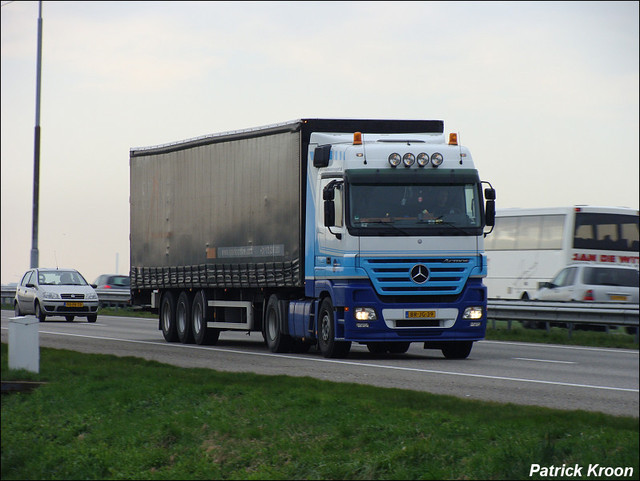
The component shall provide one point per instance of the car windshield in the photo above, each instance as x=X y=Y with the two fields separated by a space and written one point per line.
x=608 y=276
x=61 y=278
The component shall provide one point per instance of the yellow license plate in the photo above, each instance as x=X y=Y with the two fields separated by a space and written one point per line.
x=618 y=298
x=74 y=304
x=420 y=314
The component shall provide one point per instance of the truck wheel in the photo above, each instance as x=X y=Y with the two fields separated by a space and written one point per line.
x=398 y=347
x=327 y=333
x=168 y=317
x=202 y=335
x=377 y=347
x=183 y=319
x=457 y=350
x=277 y=341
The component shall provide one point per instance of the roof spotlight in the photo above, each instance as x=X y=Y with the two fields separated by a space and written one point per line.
x=394 y=160
x=408 y=160
x=423 y=159
x=436 y=159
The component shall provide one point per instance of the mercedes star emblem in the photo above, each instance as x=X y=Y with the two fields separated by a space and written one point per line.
x=419 y=274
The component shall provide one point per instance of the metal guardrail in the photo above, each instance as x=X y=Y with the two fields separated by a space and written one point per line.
x=107 y=297
x=570 y=313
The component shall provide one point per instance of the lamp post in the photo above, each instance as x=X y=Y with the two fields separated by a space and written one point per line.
x=36 y=154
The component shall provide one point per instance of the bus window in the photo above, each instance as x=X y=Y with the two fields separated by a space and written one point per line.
x=552 y=231
x=529 y=232
x=605 y=232
x=504 y=236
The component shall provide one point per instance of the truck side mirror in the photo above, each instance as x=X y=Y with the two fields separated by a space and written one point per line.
x=321 y=156
x=329 y=213
x=490 y=209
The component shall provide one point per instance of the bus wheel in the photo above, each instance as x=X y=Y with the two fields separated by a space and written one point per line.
x=457 y=350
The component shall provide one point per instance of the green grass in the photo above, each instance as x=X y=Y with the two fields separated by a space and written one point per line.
x=106 y=417
x=615 y=338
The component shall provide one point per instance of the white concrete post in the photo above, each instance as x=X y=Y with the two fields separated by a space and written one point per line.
x=24 y=345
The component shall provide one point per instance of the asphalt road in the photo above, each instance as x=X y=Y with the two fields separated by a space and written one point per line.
x=560 y=377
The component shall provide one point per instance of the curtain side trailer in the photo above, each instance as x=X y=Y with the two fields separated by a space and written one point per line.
x=295 y=230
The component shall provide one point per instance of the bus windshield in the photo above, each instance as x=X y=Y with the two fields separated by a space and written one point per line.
x=414 y=209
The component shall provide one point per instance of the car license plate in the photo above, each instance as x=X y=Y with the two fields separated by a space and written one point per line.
x=420 y=314
x=618 y=298
x=73 y=304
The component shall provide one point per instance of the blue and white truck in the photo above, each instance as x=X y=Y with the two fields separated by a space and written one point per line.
x=315 y=232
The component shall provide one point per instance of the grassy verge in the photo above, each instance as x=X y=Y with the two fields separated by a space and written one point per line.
x=105 y=417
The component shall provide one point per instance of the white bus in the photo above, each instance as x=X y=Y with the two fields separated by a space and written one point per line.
x=529 y=246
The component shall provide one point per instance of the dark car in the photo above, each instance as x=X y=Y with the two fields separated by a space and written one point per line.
x=112 y=281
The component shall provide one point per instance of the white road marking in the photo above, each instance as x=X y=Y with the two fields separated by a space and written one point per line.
x=348 y=363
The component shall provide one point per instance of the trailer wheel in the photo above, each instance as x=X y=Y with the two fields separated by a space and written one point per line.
x=277 y=341
x=457 y=350
x=168 y=317
x=327 y=333
x=202 y=335
x=183 y=318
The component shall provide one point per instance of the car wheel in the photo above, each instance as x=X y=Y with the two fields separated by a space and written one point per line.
x=327 y=333
x=16 y=309
x=38 y=313
x=92 y=318
x=69 y=318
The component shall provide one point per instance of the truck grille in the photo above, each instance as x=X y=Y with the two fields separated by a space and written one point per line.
x=437 y=276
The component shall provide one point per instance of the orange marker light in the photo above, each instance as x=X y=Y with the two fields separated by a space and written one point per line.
x=357 y=138
x=453 y=138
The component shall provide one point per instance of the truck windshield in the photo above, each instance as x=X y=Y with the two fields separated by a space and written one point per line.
x=414 y=209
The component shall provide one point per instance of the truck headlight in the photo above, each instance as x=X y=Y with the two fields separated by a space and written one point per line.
x=472 y=313
x=365 y=314
x=437 y=159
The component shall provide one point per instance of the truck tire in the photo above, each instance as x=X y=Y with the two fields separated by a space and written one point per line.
x=168 y=317
x=202 y=335
x=183 y=319
x=457 y=350
x=327 y=333
x=277 y=341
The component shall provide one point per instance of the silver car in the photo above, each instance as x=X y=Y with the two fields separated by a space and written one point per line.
x=594 y=283
x=56 y=292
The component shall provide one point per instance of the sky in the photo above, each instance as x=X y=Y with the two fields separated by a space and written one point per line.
x=544 y=94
